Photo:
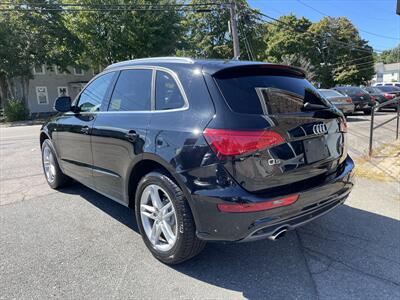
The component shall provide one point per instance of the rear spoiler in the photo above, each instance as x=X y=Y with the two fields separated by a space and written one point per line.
x=260 y=69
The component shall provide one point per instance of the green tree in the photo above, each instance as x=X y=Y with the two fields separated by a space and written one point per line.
x=389 y=56
x=207 y=33
x=339 y=54
x=30 y=38
x=110 y=36
x=330 y=48
x=286 y=37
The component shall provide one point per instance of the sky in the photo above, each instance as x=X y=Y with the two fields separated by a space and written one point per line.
x=374 y=16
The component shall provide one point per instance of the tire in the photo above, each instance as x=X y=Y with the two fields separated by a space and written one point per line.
x=186 y=244
x=367 y=111
x=57 y=179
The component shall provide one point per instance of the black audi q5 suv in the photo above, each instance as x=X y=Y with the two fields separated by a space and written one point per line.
x=203 y=150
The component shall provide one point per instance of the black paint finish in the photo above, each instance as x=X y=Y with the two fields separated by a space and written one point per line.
x=101 y=149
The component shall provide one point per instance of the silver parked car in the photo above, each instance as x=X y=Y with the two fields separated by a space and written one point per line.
x=344 y=103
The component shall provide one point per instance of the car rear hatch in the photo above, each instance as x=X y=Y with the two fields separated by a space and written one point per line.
x=278 y=134
x=358 y=95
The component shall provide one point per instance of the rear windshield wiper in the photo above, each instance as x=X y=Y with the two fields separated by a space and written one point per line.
x=310 y=106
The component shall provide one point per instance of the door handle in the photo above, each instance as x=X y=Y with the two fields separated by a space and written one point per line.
x=85 y=129
x=131 y=135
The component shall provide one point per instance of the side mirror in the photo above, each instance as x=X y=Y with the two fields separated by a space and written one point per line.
x=63 y=104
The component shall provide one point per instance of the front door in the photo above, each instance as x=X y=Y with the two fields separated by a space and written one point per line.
x=120 y=133
x=73 y=142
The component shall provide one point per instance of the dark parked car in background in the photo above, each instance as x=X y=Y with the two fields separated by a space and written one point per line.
x=202 y=150
x=362 y=100
x=382 y=96
x=343 y=103
x=392 y=90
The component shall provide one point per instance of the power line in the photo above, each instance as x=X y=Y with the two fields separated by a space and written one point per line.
x=358 y=64
x=358 y=70
x=362 y=30
x=356 y=59
x=299 y=30
x=121 y=5
x=69 y=7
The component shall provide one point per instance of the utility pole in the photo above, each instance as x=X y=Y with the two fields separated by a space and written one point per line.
x=234 y=30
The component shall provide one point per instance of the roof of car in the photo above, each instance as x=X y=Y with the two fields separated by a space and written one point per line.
x=210 y=66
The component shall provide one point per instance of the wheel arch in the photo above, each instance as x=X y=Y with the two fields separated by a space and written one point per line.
x=149 y=163
x=43 y=136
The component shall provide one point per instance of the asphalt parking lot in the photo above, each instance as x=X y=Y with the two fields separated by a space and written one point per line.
x=77 y=244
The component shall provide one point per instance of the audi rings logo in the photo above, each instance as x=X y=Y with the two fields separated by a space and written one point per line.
x=320 y=128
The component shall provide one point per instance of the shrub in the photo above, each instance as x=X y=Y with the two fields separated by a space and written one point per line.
x=14 y=110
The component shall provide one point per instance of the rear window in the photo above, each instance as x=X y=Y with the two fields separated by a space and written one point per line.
x=352 y=91
x=389 y=88
x=267 y=94
x=330 y=93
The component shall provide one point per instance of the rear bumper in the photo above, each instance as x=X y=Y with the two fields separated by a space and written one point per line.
x=312 y=203
x=363 y=105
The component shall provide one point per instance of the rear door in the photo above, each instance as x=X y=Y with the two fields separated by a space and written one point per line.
x=119 y=134
x=311 y=146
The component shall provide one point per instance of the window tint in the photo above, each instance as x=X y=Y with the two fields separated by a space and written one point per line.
x=132 y=91
x=168 y=95
x=268 y=94
x=330 y=93
x=351 y=91
x=92 y=96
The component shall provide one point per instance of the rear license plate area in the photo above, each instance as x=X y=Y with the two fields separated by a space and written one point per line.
x=315 y=149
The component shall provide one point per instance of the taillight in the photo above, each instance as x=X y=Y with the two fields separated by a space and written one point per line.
x=373 y=99
x=343 y=125
x=348 y=100
x=252 y=207
x=388 y=96
x=235 y=142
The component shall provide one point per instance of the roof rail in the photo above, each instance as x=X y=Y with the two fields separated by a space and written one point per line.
x=170 y=59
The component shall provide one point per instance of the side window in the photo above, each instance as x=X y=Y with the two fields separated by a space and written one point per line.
x=132 y=91
x=92 y=96
x=168 y=95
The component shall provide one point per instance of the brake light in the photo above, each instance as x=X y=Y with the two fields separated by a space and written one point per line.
x=252 y=207
x=343 y=125
x=348 y=100
x=235 y=142
x=388 y=96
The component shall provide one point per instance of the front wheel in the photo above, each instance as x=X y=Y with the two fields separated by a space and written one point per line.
x=54 y=176
x=367 y=111
x=165 y=220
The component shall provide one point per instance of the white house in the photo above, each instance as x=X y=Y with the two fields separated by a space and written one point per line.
x=386 y=73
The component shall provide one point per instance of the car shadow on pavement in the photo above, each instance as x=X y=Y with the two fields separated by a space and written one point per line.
x=117 y=211
x=348 y=253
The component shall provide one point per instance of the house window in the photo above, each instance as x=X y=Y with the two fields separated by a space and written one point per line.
x=78 y=71
x=39 y=70
x=59 y=71
x=97 y=70
x=41 y=95
x=62 y=91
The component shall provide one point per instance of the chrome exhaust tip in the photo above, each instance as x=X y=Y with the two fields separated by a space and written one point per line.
x=277 y=234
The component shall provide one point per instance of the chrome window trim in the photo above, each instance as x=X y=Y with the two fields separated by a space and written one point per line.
x=152 y=110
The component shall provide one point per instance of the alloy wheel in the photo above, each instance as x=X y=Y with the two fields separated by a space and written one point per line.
x=49 y=164
x=158 y=217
